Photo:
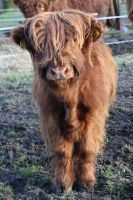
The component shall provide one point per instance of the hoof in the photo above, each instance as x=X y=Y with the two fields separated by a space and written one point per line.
x=58 y=190
x=82 y=188
x=66 y=190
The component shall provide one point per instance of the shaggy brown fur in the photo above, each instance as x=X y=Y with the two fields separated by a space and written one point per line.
x=130 y=9
x=104 y=8
x=73 y=109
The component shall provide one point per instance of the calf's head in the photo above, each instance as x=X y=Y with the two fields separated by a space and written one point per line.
x=59 y=43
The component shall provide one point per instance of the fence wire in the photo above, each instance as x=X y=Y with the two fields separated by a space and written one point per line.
x=21 y=20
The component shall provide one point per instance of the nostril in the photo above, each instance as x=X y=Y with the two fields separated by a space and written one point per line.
x=66 y=70
x=62 y=71
x=53 y=72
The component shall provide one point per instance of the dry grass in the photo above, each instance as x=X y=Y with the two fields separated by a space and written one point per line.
x=13 y=59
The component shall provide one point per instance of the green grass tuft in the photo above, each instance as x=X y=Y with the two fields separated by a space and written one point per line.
x=12 y=134
x=31 y=171
x=18 y=78
x=5 y=191
x=20 y=162
x=125 y=60
x=108 y=173
x=67 y=197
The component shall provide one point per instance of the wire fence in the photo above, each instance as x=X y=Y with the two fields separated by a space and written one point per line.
x=7 y=29
x=99 y=18
x=15 y=60
x=9 y=10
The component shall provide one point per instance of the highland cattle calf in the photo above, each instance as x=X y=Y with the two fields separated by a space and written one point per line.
x=74 y=86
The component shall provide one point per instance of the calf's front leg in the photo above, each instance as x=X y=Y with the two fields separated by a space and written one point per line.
x=64 y=173
x=88 y=148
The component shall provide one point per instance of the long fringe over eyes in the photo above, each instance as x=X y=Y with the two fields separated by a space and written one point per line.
x=47 y=31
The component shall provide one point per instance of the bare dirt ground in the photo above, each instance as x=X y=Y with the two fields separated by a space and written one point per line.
x=25 y=167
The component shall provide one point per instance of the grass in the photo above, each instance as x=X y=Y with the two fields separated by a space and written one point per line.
x=34 y=175
x=12 y=134
x=33 y=123
x=21 y=162
x=5 y=187
x=1 y=133
x=1 y=83
x=108 y=173
x=2 y=169
x=128 y=147
x=114 y=183
x=1 y=197
x=115 y=187
x=5 y=191
x=17 y=78
x=125 y=60
x=65 y=197
x=31 y=171
x=43 y=181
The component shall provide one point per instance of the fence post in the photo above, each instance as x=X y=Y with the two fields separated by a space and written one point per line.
x=2 y=4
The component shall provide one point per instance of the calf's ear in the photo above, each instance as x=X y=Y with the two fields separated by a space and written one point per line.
x=97 y=30
x=94 y=32
x=18 y=37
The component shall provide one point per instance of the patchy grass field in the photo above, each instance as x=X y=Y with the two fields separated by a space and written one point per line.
x=25 y=167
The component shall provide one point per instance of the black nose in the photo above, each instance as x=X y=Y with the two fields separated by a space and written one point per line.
x=59 y=72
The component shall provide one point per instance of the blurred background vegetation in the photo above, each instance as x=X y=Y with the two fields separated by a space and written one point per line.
x=4 y=4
